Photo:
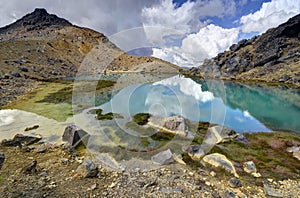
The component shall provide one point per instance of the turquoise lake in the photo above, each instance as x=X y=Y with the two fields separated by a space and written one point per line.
x=242 y=107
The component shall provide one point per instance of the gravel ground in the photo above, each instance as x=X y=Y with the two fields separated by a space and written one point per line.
x=56 y=176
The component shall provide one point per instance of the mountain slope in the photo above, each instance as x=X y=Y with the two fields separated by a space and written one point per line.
x=42 y=46
x=271 y=57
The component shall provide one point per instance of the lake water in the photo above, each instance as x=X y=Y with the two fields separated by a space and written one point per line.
x=242 y=107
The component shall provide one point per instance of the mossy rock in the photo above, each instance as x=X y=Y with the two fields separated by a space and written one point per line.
x=141 y=118
x=162 y=136
x=145 y=142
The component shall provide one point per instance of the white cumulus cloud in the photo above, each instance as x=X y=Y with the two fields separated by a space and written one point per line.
x=271 y=14
x=207 y=43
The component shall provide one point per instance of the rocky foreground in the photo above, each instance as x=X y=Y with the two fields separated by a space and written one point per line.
x=30 y=167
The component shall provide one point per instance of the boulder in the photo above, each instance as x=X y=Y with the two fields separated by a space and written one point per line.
x=174 y=123
x=163 y=158
x=2 y=159
x=221 y=134
x=219 y=160
x=272 y=192
x=75 y=135
x=295 y=150
x=249 y=167
x=88 y=169
x=215 y=135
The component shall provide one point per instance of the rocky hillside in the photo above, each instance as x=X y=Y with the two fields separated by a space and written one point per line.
x=271 y=57
x=42 y=46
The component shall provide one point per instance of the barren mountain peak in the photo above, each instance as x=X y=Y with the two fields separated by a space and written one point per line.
x=37 y=20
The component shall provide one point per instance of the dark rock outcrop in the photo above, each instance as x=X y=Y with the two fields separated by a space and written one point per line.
x=276 y=48
x=21 y=140
x=37 y=20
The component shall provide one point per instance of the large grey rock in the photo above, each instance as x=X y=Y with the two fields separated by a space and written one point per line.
x=215 y=135
x=219 y=160
x=2 y=159
x=249 y=167
x=88 y=169
x=75 y=135
x=174 y=123
x=272 y=192
x=162 y=158
x=295 y=150
x=222 y=133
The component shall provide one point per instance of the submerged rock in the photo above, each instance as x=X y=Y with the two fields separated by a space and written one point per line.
x=2 y=159
x=219 y=160
x=75 y=135
x=163 y=158
x=88 y=169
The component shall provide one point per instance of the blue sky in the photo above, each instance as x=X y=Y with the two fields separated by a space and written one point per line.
x=180 y=31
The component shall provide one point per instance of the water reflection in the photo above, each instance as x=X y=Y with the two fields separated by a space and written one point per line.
x=213 y=102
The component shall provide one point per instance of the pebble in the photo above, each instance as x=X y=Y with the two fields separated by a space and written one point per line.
x=234 y=182
x=212 y=173
x=229 y=194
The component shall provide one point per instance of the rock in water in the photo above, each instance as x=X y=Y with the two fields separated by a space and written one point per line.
x=88 y=169
x=249 y=167
x=2 y=159
x=219 y=160
x=272 y=192
x=175 y=123
x=74 y=135
x=163 y=158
